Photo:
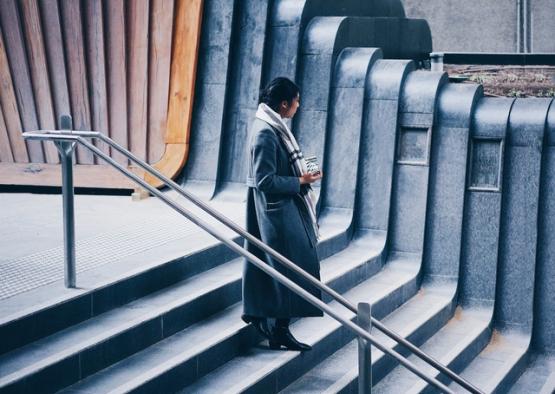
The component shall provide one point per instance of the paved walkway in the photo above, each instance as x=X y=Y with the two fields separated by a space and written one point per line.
x=113 y=234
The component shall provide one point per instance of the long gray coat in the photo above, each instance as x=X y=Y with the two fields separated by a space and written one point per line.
x=277 y=215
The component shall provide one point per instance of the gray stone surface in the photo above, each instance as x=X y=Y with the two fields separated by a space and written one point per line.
x=544 y=317
x=377 y=147
x=245 y=71
x=483 y=214
x=410 y=185
x=210 y=95
x=323 y=40
x=519 y=222
x=290 y=17
x=443 y=235
x=344 y=127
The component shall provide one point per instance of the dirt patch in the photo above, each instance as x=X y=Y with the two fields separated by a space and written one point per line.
x=507 y=81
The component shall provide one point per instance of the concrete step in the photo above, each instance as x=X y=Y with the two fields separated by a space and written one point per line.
x=259 y=369
x=85 y=348
x=340 y=272
x=499 y=365
x=416 y=320
x=539 y=376
x=455 y=345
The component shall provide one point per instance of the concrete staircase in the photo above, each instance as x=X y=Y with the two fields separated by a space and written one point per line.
x=436 y=208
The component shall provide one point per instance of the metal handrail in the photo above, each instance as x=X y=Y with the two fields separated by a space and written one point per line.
x=77 y=136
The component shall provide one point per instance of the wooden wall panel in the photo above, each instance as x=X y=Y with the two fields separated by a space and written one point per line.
x=15 y=48
x=97 y=70
x=123 y=67
x=6 y=155
x=50 y=12
x=117 y=74
x=77 y=71
x=182 y=87
x=10 y=108
x=159 y=76
x=138 y=32
x=39 y=73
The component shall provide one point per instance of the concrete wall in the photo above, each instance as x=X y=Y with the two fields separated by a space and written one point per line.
x=487 y=26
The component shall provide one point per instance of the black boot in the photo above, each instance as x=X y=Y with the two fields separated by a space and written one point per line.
x=282 y=336
x=260 y=324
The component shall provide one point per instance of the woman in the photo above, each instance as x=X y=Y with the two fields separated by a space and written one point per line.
x=280 y=212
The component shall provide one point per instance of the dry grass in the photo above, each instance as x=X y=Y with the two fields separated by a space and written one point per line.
x=509 y=81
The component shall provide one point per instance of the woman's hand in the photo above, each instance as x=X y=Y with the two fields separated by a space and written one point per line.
x=310 y=178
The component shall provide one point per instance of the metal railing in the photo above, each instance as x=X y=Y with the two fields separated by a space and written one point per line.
x=65 y=141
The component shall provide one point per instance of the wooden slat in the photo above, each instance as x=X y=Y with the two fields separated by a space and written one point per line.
x=138 y=29
x=56 y=57
x=39 y=73
x=89 y=176
x=15 y=48
x=77 y=71
x=187 y=27
x=9 y=107
x=159 y=74
x=6 y=155
x=117 y=75
x=183 y=70
x=97 y=70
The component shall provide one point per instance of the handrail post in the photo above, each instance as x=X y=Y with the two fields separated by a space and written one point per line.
x=65 y=149
x=364 y=320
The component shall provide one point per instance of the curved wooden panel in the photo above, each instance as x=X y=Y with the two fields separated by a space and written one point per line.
x=182 y=88
x=125 y=68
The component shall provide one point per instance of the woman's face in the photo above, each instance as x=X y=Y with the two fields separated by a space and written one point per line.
x=289 y=110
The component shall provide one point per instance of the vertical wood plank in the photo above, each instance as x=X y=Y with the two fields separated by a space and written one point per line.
x=138 y=18
x=97 y=70
x=39 y=73
x=15 y=48
x=8 y=102
x=117 y=75
x=183 y=70
x=77 y=70
x=6 y=155
x=50 y=12
x=159 y=76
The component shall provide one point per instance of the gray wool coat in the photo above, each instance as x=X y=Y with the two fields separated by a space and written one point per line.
x=277 y=215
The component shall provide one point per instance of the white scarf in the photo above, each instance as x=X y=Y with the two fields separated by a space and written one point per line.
x=296 y=158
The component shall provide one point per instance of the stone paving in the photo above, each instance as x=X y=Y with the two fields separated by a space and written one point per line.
x=109 y=229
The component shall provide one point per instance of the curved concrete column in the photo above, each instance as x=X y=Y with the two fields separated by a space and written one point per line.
x=417 y=113
x=506 y=354
x=323 y=40
x=290 y=17
x=245 y=71
x=482 y=212
x=343 y=142
x=447 y=183
x=377 y=146
x=201 y=169
x=544 y=308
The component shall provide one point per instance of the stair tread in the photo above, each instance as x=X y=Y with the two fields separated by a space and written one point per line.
x=444 y=346
x=256 y=363
x=341 y=368
x=538 y=377
x=99 y=328
x=118 y=374
x=498 y=358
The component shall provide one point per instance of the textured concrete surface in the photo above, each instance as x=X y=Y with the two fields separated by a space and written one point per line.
x=544 y=328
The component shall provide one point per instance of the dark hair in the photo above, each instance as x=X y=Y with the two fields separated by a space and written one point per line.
x=280 y=89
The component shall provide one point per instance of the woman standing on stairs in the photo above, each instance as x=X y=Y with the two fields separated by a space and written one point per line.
x=281 y=212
